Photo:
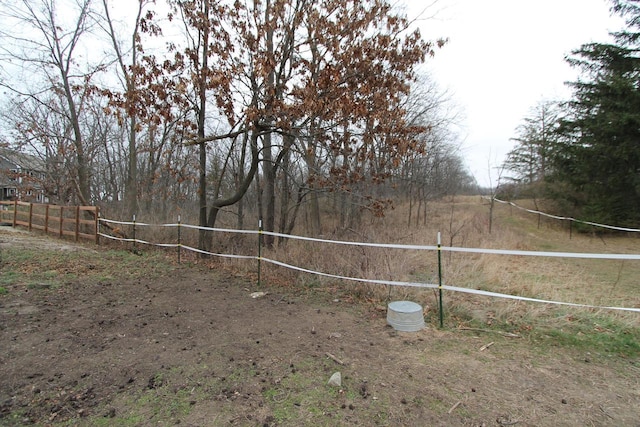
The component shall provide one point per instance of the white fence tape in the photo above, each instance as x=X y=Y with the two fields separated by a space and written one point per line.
x=565 y=218
x=345 y=242
x=393 y=246
x=586 y=255
x=221 y=230
x=448 y=288
x=218 y=255
x=353 y=279
x=120 y=239
x=519 y=298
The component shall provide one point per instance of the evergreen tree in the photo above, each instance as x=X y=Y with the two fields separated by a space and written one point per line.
x=597 y=162
x=536 y=136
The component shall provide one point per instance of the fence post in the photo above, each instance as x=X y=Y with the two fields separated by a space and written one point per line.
x=77 y=222
x=134 y=232
x=440 y=280
x=259 y=249
x=97 y=226
x=61 y=219
x=179 y=240
x=46 y=219
x=30 y=215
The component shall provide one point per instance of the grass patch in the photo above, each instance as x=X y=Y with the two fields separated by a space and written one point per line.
x=299 y=397
x=8 y=278
x=578 y=330
x=40 y=268
x=164 y=400
x=589 y=333
x=303 y=397
x=133 y=420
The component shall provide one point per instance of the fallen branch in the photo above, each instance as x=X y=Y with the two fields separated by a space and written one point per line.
x=605 y=412
x=335 y=359
x=504 y=334
x=453 y=408
x=484 y=347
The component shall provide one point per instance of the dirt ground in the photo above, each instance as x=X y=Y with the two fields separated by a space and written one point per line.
x=194 y=348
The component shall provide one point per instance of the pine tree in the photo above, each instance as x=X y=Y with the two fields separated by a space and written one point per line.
x=598 y=160
x=536 y=136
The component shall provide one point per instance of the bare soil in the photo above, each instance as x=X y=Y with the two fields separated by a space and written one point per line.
x=192 y=347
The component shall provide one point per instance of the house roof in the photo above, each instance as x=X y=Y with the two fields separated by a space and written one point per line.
x=23 y=160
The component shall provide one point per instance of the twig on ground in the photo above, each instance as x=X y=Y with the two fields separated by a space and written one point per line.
x=453 y=408
x=605 y=412
x=335 y=359
x=486 y=346
x=504 y=334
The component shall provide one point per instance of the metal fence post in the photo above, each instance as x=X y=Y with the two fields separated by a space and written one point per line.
x=179 y=240
x=440 y=280
x=259 y=250
x=134 y=232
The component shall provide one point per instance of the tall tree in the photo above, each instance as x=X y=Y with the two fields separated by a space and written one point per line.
x=535 y=140
x=205 y=59
x=301 y=69
x=127 y=58
x=44 y=37
x=331 y=77
x=599 y=158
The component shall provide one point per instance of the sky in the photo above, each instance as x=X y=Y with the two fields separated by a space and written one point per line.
x=504 y=57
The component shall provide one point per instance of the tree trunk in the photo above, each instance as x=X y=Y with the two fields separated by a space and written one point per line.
x=78 y=143
x=241 y=190
x=204 y=236
x=268 y=165
x=269 y=194
x=239 y=178
x=285 y=196
x=131 y=185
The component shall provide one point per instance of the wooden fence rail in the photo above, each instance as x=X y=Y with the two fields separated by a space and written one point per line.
x=76 y=221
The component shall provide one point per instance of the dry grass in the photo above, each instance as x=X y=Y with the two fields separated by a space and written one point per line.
x=463 y=222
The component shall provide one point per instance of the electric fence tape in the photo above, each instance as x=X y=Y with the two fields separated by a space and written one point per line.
x=396 y=246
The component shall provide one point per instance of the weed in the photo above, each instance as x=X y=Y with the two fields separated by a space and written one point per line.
x=9 y=277
x=40 y=268
x=107 y=421
x=160 y=401
x=588 y=333
x=41 y=285
x=304 y=395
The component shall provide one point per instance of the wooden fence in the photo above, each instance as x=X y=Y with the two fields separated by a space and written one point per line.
x=76 y=221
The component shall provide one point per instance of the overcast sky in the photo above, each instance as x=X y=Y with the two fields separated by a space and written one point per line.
x=503 y=57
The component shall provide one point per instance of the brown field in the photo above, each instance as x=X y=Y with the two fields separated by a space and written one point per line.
x=102 y=336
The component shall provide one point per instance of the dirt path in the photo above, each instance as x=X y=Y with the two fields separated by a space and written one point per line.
x=193 y=347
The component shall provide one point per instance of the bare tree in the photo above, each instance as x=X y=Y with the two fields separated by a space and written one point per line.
x=127 y=102
x=44 y=37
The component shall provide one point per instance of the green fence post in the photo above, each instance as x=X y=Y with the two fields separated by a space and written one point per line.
x=440 y=280
x=259 y=250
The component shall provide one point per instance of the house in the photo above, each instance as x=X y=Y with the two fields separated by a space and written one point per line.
x=22 y=177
